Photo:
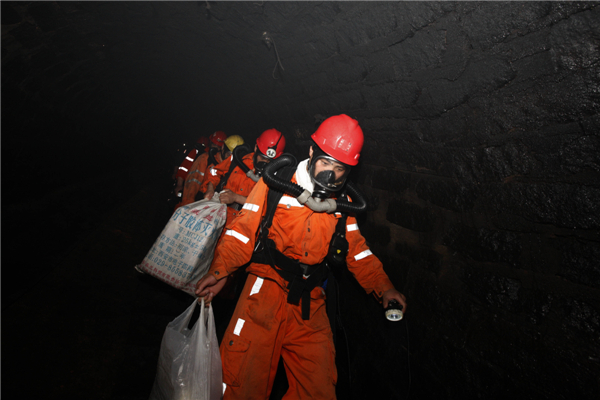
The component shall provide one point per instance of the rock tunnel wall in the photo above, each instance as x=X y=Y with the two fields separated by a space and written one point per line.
x=482 y=171
x=481 y=163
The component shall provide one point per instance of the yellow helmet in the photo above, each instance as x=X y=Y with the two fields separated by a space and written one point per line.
x=233 y=141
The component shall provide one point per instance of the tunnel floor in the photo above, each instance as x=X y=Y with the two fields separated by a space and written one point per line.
x=91 y=327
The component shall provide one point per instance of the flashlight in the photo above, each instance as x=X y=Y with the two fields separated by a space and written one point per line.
x=393 y=312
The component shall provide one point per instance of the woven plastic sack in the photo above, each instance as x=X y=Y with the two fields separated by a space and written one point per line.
x=189 y=363
x=183 y=252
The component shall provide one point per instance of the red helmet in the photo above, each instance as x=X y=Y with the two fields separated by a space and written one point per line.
x=203 y=141
x=271 y=143
x=218 y=138
x=341 y=138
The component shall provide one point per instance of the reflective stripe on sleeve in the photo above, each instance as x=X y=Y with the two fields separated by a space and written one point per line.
x=195 y=180
x=191 y=159
x=362 y=255
x=352 y=227
x=237 y=235
x=202 y=173
x=238 y=326
x=213 y=172
x=251 y=207
x=184 y=169
x=257 y=286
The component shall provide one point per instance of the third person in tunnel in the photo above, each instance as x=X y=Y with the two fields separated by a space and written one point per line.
x=233 y=183
x=281 y=311
x=214 y=154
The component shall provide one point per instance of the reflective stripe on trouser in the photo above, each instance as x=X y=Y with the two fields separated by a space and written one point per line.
x=264 y=327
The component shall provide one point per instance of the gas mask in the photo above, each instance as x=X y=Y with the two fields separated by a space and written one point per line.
x=259 y=166
x=325 y=181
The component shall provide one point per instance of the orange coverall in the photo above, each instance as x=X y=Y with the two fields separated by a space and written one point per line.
x=195 y=177
x=184 y=168
x=264 y=325
x=238 y=182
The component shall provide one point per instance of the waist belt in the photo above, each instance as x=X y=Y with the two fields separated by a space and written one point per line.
x=302 y=278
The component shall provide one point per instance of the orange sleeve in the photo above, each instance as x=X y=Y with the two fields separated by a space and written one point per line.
x=363 y=264
x=238 y=181
x=194 y=180
x=184 y=168
x=237 y=244
x=213 y=174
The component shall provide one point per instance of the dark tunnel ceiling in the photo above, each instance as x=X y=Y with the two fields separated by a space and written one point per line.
x=184 y=59
x=130 y=71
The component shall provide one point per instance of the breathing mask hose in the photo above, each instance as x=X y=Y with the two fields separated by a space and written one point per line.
x=273 y=182
x=359 y=203
x=330 y=205
x=250 y=174
x=238 y=153
x=304 y=196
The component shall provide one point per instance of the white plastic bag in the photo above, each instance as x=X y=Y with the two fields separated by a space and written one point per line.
x=183 y=252
x=189 y=364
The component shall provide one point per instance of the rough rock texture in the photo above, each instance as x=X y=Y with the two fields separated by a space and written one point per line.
x=481 y=161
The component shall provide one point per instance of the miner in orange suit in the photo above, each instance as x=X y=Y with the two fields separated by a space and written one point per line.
x=269 y=145
x=184 y=168
x=213 y=156
x=272 y=318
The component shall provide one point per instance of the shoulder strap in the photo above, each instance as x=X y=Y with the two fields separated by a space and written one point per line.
x=338 y=246
x=236 y=161
x=225 y=177
x=211 y=157
x=274 y=196
x=341 y=224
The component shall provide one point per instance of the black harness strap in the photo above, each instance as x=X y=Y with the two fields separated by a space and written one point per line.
x=223 y=182
x=273 y=198
x=211 y=157
x=225 y=177
x=301 y=278
x=334 y=273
